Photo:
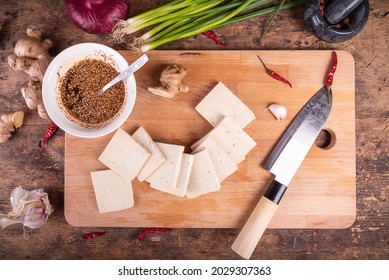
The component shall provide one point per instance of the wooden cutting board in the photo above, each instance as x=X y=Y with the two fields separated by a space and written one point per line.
x=322 y=193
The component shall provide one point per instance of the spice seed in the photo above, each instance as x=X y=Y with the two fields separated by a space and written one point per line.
x=79 y=92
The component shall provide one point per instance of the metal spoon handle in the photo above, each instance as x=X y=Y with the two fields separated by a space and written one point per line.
x=128 y=72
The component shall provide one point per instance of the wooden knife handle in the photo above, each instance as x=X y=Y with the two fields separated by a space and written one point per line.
x=258 y=221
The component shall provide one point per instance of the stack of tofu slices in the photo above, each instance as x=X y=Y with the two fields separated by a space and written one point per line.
x=166 y=167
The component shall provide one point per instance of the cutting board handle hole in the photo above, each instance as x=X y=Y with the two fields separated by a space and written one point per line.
x=326 y=139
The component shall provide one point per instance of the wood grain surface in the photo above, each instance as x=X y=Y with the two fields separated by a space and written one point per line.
x=24 y=164
x=321 y=195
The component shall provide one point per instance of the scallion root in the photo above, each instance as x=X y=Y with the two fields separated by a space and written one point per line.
x=121 y=31
x=136 y=45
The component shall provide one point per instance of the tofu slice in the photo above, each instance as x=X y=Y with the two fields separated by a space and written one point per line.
x=124 y=155
x=225 y=142
x=156 y=158
x=221 y=102
x=224 y=167
x=183 y=177
x=240 y=137
x=113 y=192
x=166 y=176
x=203 y=178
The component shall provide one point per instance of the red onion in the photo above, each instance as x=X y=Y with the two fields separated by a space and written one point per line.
x=97 y=16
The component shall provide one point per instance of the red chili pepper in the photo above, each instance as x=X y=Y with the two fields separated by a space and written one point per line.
x=92 y=235
x=322 y=6
x=274 y=75
x=50 y=131
x=212 y=35
x=330 y=77
x=142 y=235
x=346 y=21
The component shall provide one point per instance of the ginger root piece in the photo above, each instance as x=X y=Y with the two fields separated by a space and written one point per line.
x=8 y=123
x=33 y=97
x=171 y=82
x=31 y=55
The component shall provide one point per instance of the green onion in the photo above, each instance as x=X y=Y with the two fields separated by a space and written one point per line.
x=172 y=19
x=262 y=12
x=179 y=19
x=192 y=9
x=180 y=26
x=126 y=27
x=167 y=8
x=196 y=28
x=271 y=20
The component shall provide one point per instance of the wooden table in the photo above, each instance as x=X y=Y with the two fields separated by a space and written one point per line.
x=24 y=164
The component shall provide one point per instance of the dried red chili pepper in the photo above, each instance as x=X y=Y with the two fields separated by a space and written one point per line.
x=142 y=235
x=274 y=75
x=212 y=35
x=322 y=6
x=50 y=131
x=92 y=235
x=330 y=77
x=344 y=22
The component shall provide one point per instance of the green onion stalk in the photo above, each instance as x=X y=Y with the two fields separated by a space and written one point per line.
x=181 y=23
x=180 y=19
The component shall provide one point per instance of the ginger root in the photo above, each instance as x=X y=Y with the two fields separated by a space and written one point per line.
x=31 y=56
x=171 y=82
x=8 y=123
x=33 y=97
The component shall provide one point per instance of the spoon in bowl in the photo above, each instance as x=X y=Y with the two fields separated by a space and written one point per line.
x=126 y=73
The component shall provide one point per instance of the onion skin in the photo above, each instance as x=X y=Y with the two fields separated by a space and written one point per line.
x=97 y=16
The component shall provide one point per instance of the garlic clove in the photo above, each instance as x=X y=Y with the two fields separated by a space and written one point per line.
x=279 y=111
x=35 y=217
x=31 y=208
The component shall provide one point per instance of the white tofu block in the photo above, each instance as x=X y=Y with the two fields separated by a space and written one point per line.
x=225 y=142
x=224 y=167
x=113 y=192
x=203 y=178
x=124 y=155
x=183 y=177
x=221 y=102
x=156 y=158
x=240 y=137
x=166 y=176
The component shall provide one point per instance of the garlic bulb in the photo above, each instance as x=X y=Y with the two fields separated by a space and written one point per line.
x=31 y=208
x=278 y=111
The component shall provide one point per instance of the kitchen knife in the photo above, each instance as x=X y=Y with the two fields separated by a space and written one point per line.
x=283 y=162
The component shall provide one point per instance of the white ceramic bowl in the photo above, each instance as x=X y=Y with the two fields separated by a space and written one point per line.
x=63 y=62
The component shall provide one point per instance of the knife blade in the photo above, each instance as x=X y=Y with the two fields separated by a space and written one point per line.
x=283 y=163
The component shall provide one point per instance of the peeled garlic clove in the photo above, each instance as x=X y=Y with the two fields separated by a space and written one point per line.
x=278 y=111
